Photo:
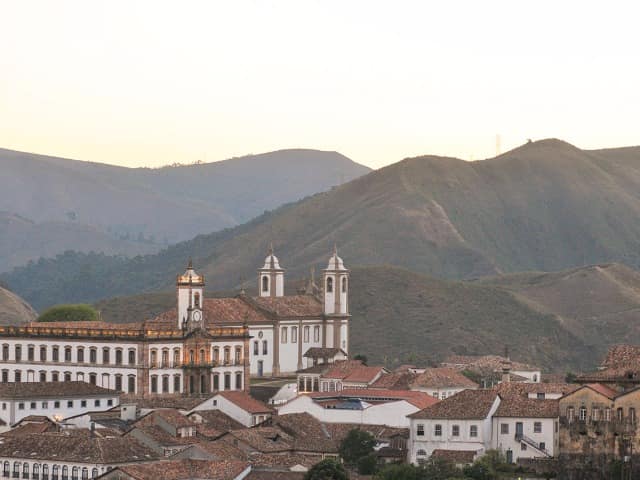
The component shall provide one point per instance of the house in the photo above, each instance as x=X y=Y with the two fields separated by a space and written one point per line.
x=360 y=406
x=620 y=369
x=441 y=382
x=277 y=394
x=56 y=400
x=462 y=422
x=241 y=407
x=181 y=470
x=211 y=424
x=490 y=369
x=165 y=431
x=59 y=455
x=339 y=375
x=525 y=427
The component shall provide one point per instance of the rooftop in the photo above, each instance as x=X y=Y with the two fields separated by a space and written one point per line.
x=467 y=404
x=417 y=399
x=186 y=469
x=442 y=377
x=523 y=407
x=33 y=390
x=245 y=401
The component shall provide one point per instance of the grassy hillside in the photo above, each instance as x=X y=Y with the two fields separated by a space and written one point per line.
x=102 y=203
x=544 y=206
x=401 y=316
x=22 y=240
x=13 y=309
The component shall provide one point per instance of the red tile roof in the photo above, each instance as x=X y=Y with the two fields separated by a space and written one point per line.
x=32 y=390
x=523 y=407
x=353 y=371
x=603 y=390
x=245 y=401
x=442 y=377
x=291 y=305
x=467 y=404
x=524 y=388
x=216 y=311
x=186 y=469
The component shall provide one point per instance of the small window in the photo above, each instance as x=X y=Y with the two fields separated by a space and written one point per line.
x=106 y=355
x=256 y=348
x=437 y=430
x=632 y=415
x=176 y=384
x=80 y=354
x=55 y=354
x=56 y=404
x=504 y=428
x=540 y=395
x=420 y=430
x=307 y=330
x=69 y=403
x=132 y=356
x=316 y=333
x=344 y=285
x=542 y=445
x=537 y=427
x=45 y=405
x=119 y=356
x=283 y=335
x=83 y=403
x=93 y=355
x=43 y=354
x=455 y=431
x=67 y=354
x=294 y=334
x=21 y=406
x=473 y=431
x=595 y=414
x=265 y=349
x=196 y=300
x=583 y=413
x=265 y=283
x=238 y=381
x=329 y=285
x=570 y=413
x=96 y=403
x=32 y=405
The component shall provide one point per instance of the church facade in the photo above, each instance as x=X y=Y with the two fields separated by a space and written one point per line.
x=203 y=345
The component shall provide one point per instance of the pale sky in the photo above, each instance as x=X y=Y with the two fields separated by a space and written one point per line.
x=147 y=83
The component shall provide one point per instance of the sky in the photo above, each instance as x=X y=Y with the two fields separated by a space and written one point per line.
x=150 y=83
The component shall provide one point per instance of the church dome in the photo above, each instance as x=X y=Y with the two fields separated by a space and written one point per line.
x=190 y=276
x=335 y=262
x=271 y=262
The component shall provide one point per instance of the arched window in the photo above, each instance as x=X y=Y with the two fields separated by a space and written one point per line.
x=74 y=473
x=93 y=378
x=43 y=376
x=106 y=355
x=85 y=473
x=45 y=470
x=329 y=285
x=36 y=470
x=118 y=356
x=196 y=299
x=344 y=286
x=25 y=470
x=227 y=355
x=238 y=356
x=202 y=356
x=154 y=384
x=154 y=357
x=94 y=473
x=16 y=469
x=65 y=472
x=132 y=356
x=55 y=472
x=265 y=283
x=176 y=357
x=5 y=469
x=67 y=376
x=165 y=357
x=216 y=354
x=43 y=354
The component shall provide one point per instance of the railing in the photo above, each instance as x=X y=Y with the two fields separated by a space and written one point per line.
x=523 y=438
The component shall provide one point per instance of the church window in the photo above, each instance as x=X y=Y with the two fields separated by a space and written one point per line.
x=55 y=353
x=265 y=283
x=316 y=333
x=131 y=384
x=106 y=355
x=176 y=357
x=43 y=354
x=344 y=285
x=118 y=356
x=202 y=356
x=154 y=358
x=227 y=355
x=216 y=381
x=132 y=356
x=196 y=299
x=67 y=354
x=165 y=358
x=118 y=382
x=294 y=334
x=154 y=384
x=329 y=285
x=93 y=355
x=80 y=354
x=5 y=352
x=227 y=381
x=192 y=357
x=256 y=348
x=17 y=375
x=176 y=384
x=283 y=335
x=307 y=329
x=43 y=376
x=238 y=356
x=265 y=349
x=92 y=378
x=238 y=381
x=165 y=384
x=31 y=353
x=67 y=376
x=18 y=351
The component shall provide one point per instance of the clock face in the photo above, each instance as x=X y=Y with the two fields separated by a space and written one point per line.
x=197 y=315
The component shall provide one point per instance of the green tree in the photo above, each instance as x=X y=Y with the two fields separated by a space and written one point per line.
x=440 y=469
x=400 y=472
x=367 y=465
x=356 y=444
x=69 y=313
x=328 y=469
x=361 y=357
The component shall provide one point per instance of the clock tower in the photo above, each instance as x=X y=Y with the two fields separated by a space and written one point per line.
x=190 y=292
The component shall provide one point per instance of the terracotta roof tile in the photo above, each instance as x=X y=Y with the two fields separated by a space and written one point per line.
x=186 y=469
x=442 y=377
x=319 y=352
x=308 y=433
x=467 y=404
x=245 y=401
x=395 y=381
x=523 y=388
x=217 y=311
x=485 y=363
x=517 y=406
x=270 y=475
x=262 y=439
x=291 y=305
x=52 y=389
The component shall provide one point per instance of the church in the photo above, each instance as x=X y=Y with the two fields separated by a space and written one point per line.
x=203 y=345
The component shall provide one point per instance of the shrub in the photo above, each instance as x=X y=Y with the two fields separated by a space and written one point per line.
x=69 y=313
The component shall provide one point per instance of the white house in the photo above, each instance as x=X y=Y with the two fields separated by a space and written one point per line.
x=526 y=428
x=461 y=423
x=240 y=406
x=55 y=400
x=360 y=406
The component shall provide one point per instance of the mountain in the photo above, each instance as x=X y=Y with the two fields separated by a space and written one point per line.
x=399 y=316
x=22 y=240
x=13 y=309
x=546 y=206
x=159 y=206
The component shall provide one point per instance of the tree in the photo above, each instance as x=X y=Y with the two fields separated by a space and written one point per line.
x=328 y=469
x=367 y=465
x=400 y=472
x=356 y=444
x=361 y=357
x=69 y=313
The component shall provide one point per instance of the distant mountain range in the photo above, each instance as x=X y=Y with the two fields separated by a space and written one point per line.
x=562 y=321
x=50 y=205
x=545 y=206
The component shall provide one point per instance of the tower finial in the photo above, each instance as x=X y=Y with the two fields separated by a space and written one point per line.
x=190 y=265
x=270 y=252
x=335 y=248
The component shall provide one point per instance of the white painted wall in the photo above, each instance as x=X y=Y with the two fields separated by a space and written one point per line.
x=508 y=441
x=219 y=402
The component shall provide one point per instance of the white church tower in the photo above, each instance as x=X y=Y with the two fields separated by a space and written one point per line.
x=271 y=277
x=336 y=286
x=190 y=289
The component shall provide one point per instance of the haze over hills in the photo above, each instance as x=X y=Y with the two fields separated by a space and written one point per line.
x=399 y=316
x=544 y=206
x=93 y=201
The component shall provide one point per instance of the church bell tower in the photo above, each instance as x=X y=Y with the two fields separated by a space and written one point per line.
x=271 y=277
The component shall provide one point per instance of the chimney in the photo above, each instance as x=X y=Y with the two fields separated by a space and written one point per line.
x=93 y=429
x=506 y=372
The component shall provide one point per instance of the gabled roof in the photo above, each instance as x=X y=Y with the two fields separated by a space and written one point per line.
x=607 y=392
x=186 y=469
x=524 y=388
x=319 y=352
x=245 y=402
x=524 y=407
x=353 y=371
x=291 y=305
x=467 y=404
x=36 y=390
x=394 y=381
x=442 y=377
x=487 y=363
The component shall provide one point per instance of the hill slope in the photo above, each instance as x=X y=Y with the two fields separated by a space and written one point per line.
x=168 y=204
x=544 y=206
x=400 y=316
x=13 y=309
